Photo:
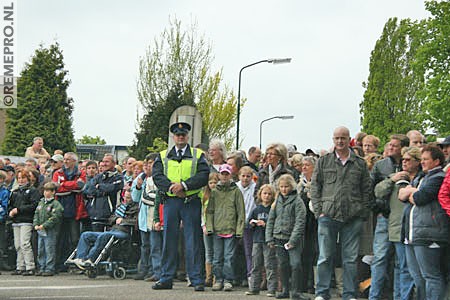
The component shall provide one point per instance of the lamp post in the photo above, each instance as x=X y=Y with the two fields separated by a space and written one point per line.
x=276 y=117
x=274 y=61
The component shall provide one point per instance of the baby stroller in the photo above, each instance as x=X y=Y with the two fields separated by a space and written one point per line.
x=118 y=258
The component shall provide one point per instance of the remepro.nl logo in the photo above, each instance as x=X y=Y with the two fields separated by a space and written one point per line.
x=8 y=78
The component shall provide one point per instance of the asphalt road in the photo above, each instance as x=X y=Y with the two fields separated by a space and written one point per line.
x=72 y=286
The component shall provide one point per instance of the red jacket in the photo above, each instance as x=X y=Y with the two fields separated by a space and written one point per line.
x=68 y=193
x=444 y=193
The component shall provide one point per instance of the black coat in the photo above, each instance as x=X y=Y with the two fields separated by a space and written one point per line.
x=25 y=199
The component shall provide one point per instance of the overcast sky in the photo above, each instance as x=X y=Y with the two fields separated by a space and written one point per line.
x=329 y=43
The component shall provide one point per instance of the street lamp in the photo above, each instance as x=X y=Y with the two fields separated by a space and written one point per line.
x=276 y=117
x=274 y=61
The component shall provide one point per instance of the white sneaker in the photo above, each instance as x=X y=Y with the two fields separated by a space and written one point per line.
x=227 y=287
x=87 y=263
x=319 y=298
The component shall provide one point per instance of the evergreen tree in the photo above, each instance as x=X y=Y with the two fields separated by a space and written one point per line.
x=43 y=107
x=391 y=101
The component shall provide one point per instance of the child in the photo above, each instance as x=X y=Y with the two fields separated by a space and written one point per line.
x=143 y=191
x=247 y=187
x=263 y=255
x=285 y=231
x=47 y=217
x=21 y=207
x=225 y=217
x=208 y=239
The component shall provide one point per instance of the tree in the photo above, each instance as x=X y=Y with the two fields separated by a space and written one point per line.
x=43 y=107
x=89 y=140
x=434 y=57
x=391 y=101
x=176 y=71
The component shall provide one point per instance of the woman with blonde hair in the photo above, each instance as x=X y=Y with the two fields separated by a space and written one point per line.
x=276 y=158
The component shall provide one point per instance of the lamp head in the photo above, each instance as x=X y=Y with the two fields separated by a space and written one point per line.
x=276 y=61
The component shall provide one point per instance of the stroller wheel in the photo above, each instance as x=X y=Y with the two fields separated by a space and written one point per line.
x=120 y=273
x=91 y=273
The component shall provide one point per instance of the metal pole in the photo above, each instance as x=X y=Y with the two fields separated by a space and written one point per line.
x=238 y=115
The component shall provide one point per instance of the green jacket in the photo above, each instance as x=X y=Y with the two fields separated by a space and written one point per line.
x=225 y=213
x=287 y=220
x=341 y=192
x=387 y=189
x=48 y=214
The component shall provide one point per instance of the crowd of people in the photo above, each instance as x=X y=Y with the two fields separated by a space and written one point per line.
x=339 y=221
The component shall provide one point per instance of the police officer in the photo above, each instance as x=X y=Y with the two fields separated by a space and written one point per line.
x=179 y=174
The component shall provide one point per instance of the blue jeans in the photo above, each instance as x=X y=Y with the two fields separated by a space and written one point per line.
x=349 y=234
x=47 y=251
x=223 y=258
x=92 y=243
x=146 y=266
x=208 y=240
x=425 y=266
x=405 y=283
x=382 y=252
x=175 y=210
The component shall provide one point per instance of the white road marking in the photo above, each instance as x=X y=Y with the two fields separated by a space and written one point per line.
x=21 y=280
x=54 y=297
x=54 y=287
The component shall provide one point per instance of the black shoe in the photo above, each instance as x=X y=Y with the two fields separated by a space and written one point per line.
x=28 y=273
x=46 y=274
x=39 y=273
x=139 y=276
x=282 y=296
x=199 y=288
x=162 y=286
x=17 y=272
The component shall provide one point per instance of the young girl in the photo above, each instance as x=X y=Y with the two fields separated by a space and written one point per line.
x=208 y=239
x=247 y=187
x=21 y=207
x=262 y=254
x=285 y=230
x=225 y=218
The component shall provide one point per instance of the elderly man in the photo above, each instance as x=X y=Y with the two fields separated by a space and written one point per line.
x=70 y=181
x=340 y=193
x=37 y=150
x=180 y=173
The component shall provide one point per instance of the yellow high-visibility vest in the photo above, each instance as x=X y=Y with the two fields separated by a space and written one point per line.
x=181 y=171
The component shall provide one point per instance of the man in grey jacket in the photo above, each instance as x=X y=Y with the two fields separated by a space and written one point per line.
x=340 y=192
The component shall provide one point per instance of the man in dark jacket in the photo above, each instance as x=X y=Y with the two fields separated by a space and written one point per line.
x=103 y=192
x=340 y=193
x=383 y=249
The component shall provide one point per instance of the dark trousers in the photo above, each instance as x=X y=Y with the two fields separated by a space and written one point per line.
x=68 y=236
x=175 y=210
x=290 y=260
